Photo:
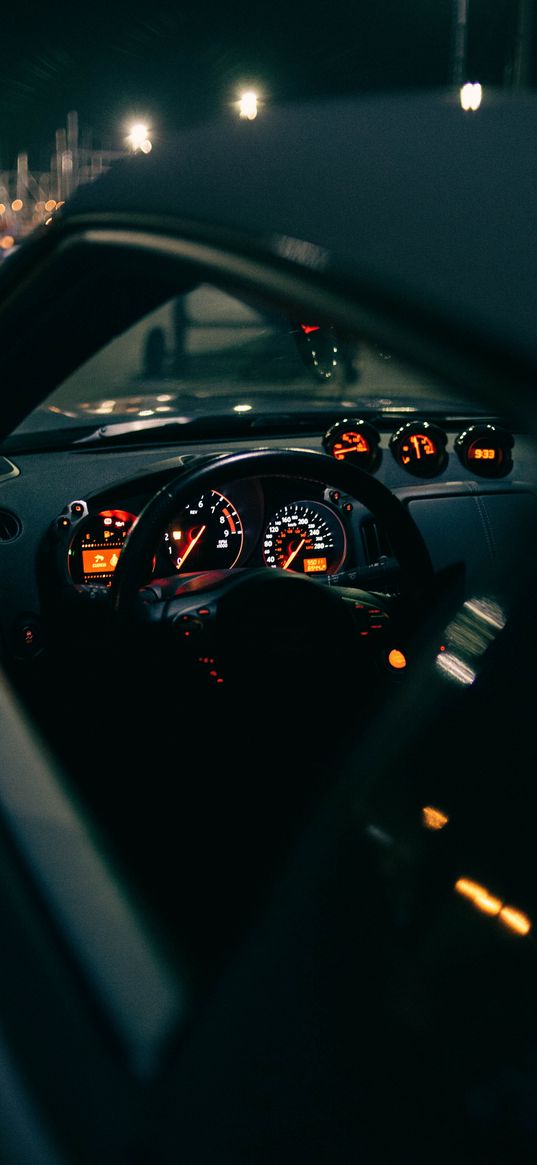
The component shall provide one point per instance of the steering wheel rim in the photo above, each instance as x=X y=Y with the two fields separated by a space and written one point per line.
x=406 y=541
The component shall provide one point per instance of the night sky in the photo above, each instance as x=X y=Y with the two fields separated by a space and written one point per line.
x=172 y=64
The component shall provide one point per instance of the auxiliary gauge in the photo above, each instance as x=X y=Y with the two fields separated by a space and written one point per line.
x=485 y=450
x=420 y=448
x=353 y=440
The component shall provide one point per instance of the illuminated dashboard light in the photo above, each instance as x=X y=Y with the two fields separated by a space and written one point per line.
x=485 y=449
x=353 y=439
x=397 y=659
x=482 y=454
x=419 y=447
x=433 y=818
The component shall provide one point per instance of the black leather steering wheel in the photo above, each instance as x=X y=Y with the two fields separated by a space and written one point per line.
x=255 y=615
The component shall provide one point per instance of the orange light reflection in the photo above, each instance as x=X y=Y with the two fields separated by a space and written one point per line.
x=397 y=659
x=433 y=818
x=514 y=919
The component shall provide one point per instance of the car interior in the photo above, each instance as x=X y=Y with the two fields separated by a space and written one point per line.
x=262 y=560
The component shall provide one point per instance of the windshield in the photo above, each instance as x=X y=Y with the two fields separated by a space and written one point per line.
x=208 y=353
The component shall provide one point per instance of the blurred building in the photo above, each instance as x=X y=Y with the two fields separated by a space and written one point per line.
x=28 y=198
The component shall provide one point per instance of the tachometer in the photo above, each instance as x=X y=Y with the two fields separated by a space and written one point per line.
x=306 y=537
x=206 y=535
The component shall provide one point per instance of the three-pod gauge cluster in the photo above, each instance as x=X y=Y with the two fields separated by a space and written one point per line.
x=420 y=447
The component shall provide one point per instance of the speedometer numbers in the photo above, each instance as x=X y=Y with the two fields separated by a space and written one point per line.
x=306 y=537
x=207 y=535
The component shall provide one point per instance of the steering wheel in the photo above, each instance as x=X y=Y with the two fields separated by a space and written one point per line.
x=275 y=625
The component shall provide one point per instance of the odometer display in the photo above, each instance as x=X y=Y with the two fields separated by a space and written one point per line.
x=306 y=537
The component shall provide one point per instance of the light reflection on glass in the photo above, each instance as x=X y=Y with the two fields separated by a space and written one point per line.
x=468 y=637
x=488 y=903
x=433 y=818
x=515 y=920
x=455 y=668
x=487 y=610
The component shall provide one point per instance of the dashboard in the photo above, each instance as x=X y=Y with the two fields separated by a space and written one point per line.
x=254 y=523
x=469 y=483
x=266 y=523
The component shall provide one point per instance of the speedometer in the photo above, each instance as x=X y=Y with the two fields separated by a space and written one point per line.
x=305 y=537
x=206 y=535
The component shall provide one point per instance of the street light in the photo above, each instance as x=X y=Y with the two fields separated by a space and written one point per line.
x=138 y=138
x=471 y=94
x=248 y=103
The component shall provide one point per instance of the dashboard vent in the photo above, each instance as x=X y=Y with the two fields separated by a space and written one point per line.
x=10 y=526
x=7 y=469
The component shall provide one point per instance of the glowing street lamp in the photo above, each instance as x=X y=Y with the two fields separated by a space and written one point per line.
x=471 y=95
x=138 y=138
x=248 y=105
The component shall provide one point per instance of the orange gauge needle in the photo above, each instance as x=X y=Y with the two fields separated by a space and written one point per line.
x=293 y=554
x=341 y=451
x=191 y=546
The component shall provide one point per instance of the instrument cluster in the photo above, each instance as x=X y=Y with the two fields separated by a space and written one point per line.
x=215 y=531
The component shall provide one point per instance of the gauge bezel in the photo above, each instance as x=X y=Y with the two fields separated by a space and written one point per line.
x=438 y=436
x=370 y=461
x=323 y=509
x=504 y=442
x=214 y=566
